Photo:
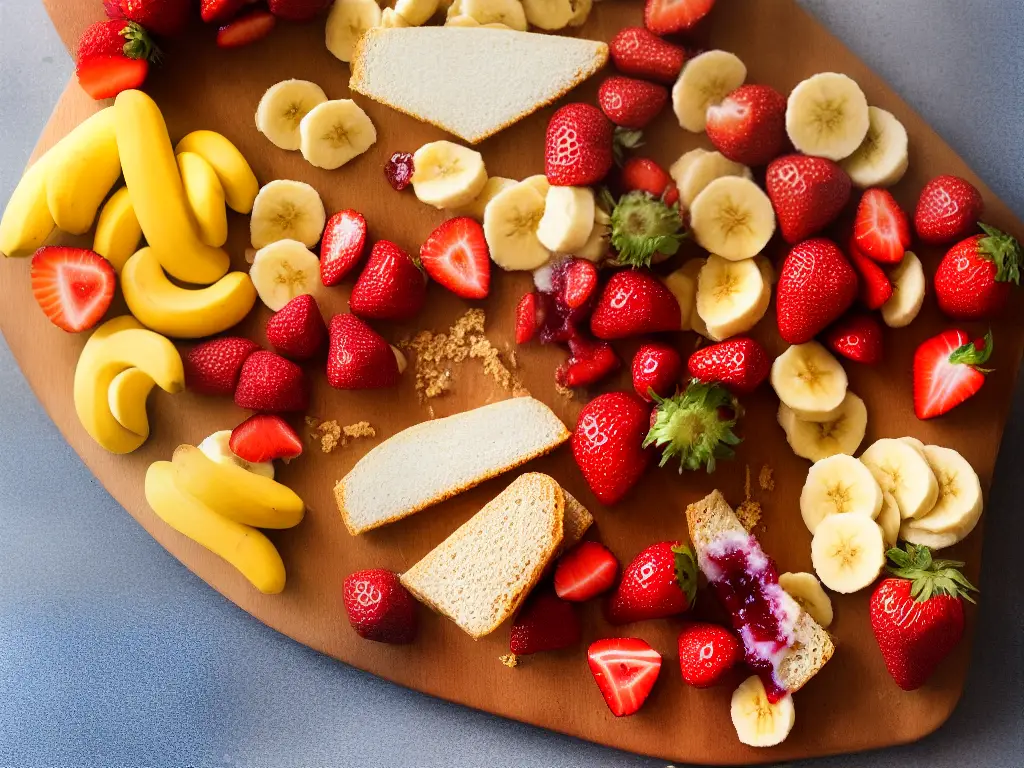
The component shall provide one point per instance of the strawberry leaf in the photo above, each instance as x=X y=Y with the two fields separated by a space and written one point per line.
x=691 y=426
x=1002 y=249
x=642 y=227
x=929 y=578
x=686 y=572
x=972 y=354
x=138 y=44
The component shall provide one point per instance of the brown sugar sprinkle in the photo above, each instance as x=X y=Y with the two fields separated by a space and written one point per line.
x=356 y=431
x=331 y=434
x=510 y=660
x=436 y=353
x=766 y=478
x=565 y=392
x=749 y=512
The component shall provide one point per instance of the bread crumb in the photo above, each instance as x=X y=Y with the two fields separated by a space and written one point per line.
x=312 y=422
x=766 y=479
x=435 y=354
x=510 y=660
x=749 y=512
x=330 y=434
x=356 y=431
x=565 y=392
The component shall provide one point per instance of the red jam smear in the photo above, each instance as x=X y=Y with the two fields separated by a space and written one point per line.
x=559 y=322
x=746 y=580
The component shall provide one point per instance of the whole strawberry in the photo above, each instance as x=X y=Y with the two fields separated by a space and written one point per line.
x=545 y=623
x=268 y=382
x=918 y=616
x=816 y=286
x=113 y=56
x=219 y=11
x=379 y=608
x=631 y=103
x=166 y=18
x=975 y=276
x=212 y=368
x=695 y=426
x=749 y=126
x=608 y=444
x=392 y=285
x=661 y=581
x=739 y=364
x=115 y=37
x=706 y=653
x=297 y=330
x=341 y=246
x=297 y=10
x=638 y=52
x=807 y=193
x=656 y=368
x=579 y=146
x=634 y=303
x=947 y=210
x=359 y=357
x=858 y=337
x=641 y=174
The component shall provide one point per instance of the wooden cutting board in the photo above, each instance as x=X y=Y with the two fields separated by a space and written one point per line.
x=852 y=705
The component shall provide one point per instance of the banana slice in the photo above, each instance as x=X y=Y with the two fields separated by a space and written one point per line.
x=732 y=217
x=283 y=270
x=827 y=116
x=847 y=552
x=693 y=172
x=904 y=473
x=511 y=221
x=808 y=379
x=475 y=208
x=461 y=20
x=205 y=196
x=683 y=285
x=538 y=182
x=416 y=12
x=580 y=12
x=347 y=22
x=568 y=219
x=908 y=286
x=391 y=19
x=882 y=158
x=838 y=485
x=335 y=132
x=282 y=108
x=816 y=440
x=959 y=505
x=548 y=15
x=598 y=244
x=287 y=210
x=511 y=13
x=934 y=541
x=217 y=448
x=767 y=269
x=806 y=590
x=889 y=520
x=447 y=175
x=705 y=81
x=730 y=296
x=757 y=721
x=915 y=443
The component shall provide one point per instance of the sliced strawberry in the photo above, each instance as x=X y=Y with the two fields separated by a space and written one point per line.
x=73 y=286
x=585 y=571
x=589 y=363
x=526 y=318
x=644 y=175
x=456 y=255
x=875 y=286
x=580 y=280
x=545 y=623
x=881 y=230
x=666 y=17
x=103 y=77
x=265 y=437
x=341 y=246
x=246 y=29
x=947 y=372
x=625 y=669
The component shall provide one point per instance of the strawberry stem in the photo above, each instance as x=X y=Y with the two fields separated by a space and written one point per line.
x=686 y=572
x=974 y=353
x=1002 y=249
x=690 y=426
x=643 y=226
x=624 y=139
x=928 y=577
x=138 y=44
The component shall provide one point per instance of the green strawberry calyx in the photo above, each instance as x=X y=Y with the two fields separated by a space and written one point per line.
x=929 y=578
x=624 y=139
x=686 y=572
x=138 y=44
x=974 y=353
x=642 y=226
x=1004 y=251
x=695 y=426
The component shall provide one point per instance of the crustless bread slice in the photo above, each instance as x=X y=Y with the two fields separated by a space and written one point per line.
x=433 y=461
x=470 y=81
x=479 y=575
x=711 y=518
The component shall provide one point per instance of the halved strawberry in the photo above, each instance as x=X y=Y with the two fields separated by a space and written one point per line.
x=625 y=669
x=526 y=318
x=579 y=282
x=881 y=229
x=265 y=437
x=341 y=246
x=947 y=372
x=246 y=29
x=666 y=17
x=456 y=255
x=875 y=286
x=589 y=362
x=103 y=77
x=545 y=623
x=585 y=571
x=73 y=286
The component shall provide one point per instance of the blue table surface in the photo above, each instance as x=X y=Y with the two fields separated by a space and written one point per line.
x=113 y=654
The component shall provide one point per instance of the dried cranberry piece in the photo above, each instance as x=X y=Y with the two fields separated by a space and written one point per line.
x=399 y=170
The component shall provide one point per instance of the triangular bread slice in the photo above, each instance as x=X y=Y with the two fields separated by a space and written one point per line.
x=479 y=575
x=576 y=524
x=470 y=81
x=437 y=459
x=711 y=518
